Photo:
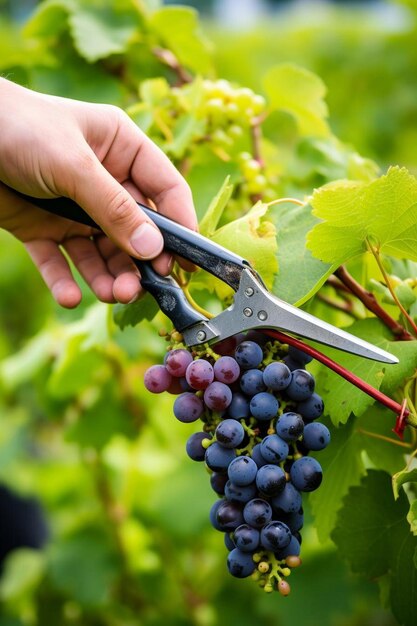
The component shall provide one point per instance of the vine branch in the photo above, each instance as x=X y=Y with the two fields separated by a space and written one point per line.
x=168 y=58
x=368 y=299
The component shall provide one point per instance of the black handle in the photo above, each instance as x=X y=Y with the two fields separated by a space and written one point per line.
x=169 y=296
x=178 y=239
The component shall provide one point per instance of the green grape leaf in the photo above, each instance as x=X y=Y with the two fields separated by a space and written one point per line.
x=402 y=478
x=342 y=467
x=50 y=18
x=25 y=364
x=214 y=212
x=131 y=314
x=341 y=398
x=301 y=93
x=98 y=422
x=300 y=275
x=23 y=571
x=412 y=520
x=253 y=237
x=373 y=536
x=185 y=130
x=179 y=30
x=376 y=422
x=383 y=212
x=100 y=31
x=85 y=566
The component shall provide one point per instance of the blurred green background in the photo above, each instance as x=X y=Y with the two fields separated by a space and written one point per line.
x=128 y=513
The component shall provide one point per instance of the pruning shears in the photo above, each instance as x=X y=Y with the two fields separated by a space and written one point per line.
x=253 y=307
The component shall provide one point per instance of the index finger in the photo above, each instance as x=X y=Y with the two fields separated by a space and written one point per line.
x=158 y=179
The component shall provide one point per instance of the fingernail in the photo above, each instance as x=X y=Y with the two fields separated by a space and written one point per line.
x=147 y=241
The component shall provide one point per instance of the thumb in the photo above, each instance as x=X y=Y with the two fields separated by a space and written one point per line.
x=116 y=212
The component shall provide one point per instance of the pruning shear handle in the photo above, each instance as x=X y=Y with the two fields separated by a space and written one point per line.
x=254 y=307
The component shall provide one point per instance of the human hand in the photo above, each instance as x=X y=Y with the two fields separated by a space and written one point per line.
x=95 y=155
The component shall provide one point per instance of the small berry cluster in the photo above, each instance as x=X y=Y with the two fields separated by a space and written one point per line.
x=258 y=406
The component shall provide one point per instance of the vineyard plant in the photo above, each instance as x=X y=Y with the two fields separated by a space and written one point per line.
x=311 y=480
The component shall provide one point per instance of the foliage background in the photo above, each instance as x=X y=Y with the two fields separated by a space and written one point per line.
x=128 y=512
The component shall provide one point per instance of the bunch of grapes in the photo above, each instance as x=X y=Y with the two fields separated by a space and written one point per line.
x=258 y=407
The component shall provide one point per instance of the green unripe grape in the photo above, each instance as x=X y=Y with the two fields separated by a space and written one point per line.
x=244 y=97
x=235 y=131
x=258 y=104
x=257 y=184
x=244 y=156
x=251 y=169
x=263 y=567
x=221 y=138
x=286 y=571
x=215 y=106
x=268 y=588
x=232 y=111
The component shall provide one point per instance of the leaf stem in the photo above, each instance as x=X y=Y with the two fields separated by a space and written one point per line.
x=377 y=257
x=368 y=299
x=395 y=442
x=282 y=200
x=168 y=58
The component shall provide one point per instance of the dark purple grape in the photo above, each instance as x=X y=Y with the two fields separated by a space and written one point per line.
x=188 y=407
x=252 y=382
x=257 y=336
x=291 y=364
x=228 y=542
x=290 y=426
x=274 y=449
x=176 y=387
x=242 y=471
x=199 y=374
x=219 y=458
x=312 y=408
x=157 y=379
x=301 y=386
x=230 y=433
x=257 y=512
x=257 y=455
x=240 y=564
x=226 y=370
x=277 y=376
x=229 y=516
x=240 y=493
x=226 y=347
x=177 y=362
x=249 y=355
x=270 y=480
x=294 y=521
x=246 y=538
x=217 y=396
x=239 y=407
x=298 y=355
x=213 y=514
x=264 y=406
x=194 y=447
x=306 y=474
x=275 y=535
x=316 y=436
x=218 y=482
x=293 y=549
x=289 y=500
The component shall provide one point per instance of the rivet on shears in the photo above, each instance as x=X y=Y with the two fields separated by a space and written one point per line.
x=262 y=315
x=201 y=335
x=248 y=312
x=249 y=292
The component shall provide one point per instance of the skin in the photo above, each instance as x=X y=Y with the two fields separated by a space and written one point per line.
x=95 y=155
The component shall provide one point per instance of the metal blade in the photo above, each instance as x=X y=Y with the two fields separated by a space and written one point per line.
x=255 y=307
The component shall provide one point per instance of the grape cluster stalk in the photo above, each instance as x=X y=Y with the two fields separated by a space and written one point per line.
x=258 y=407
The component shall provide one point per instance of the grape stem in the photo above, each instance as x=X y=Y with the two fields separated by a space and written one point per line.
x=168 y=58
x=394 y=406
